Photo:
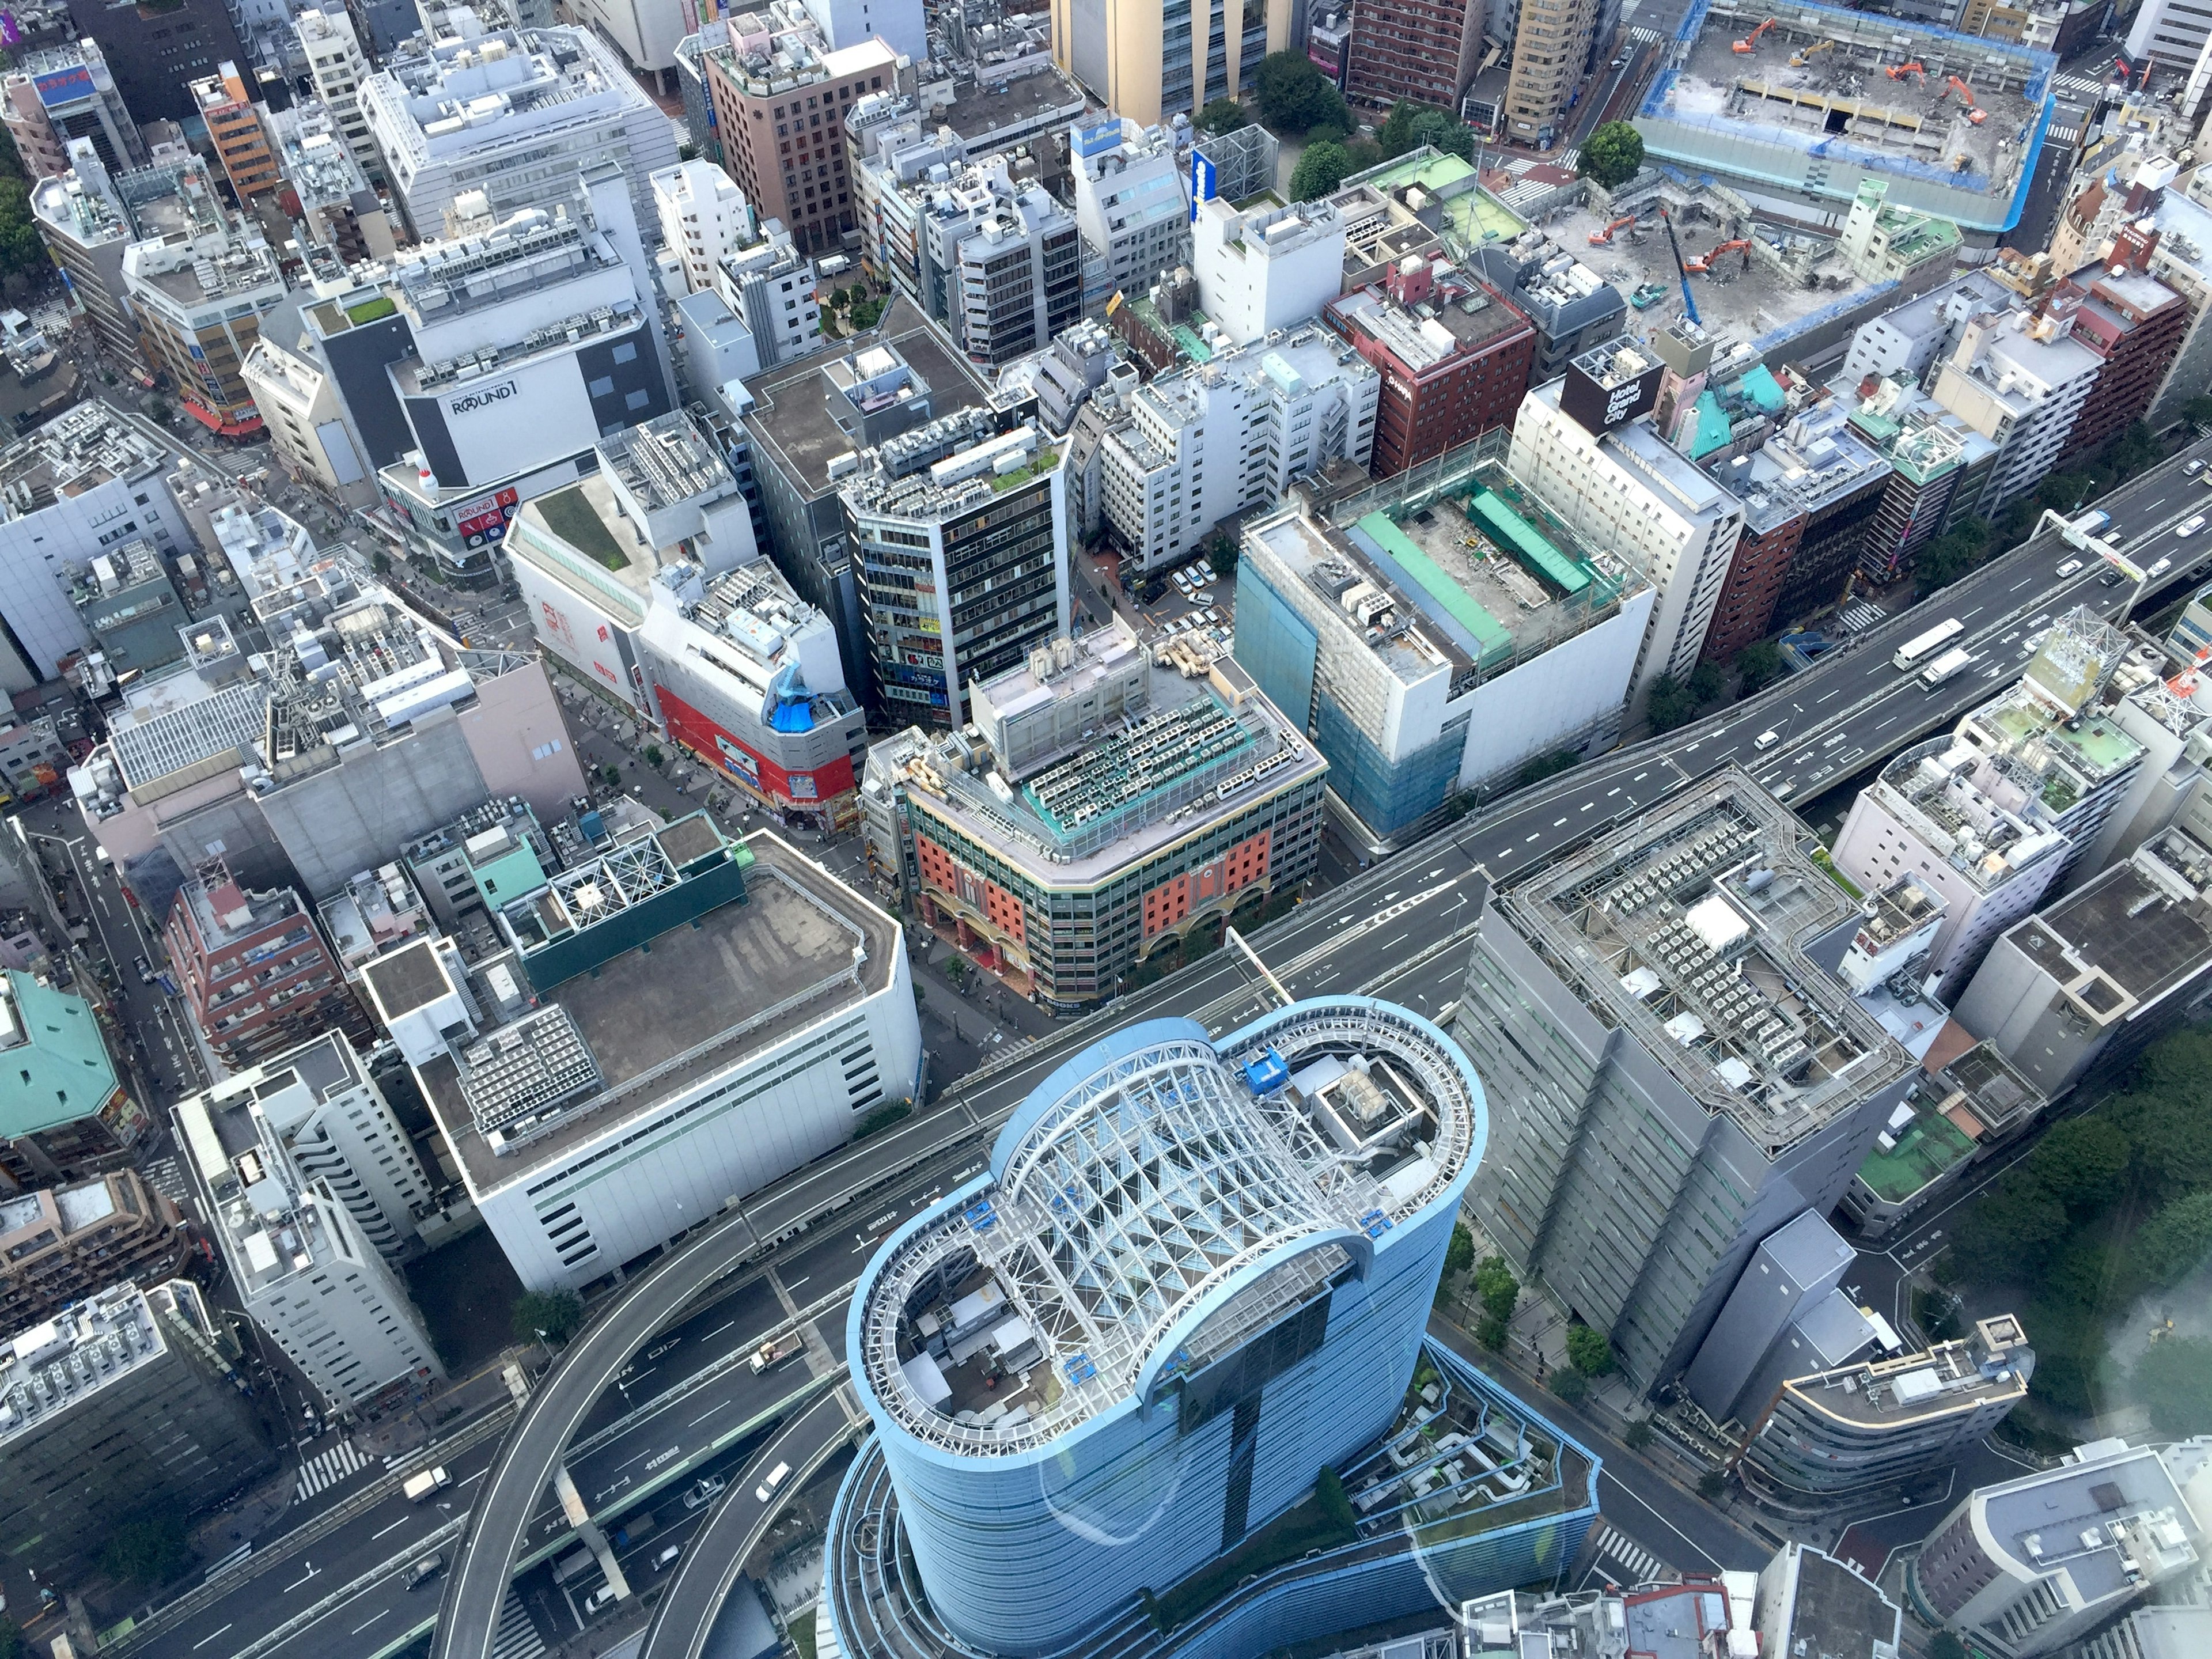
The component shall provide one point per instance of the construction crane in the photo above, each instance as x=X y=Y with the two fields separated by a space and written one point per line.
x=1899 y=71
x=1703 y=264
x=1752 y=40
x=1799 y=59
x=1601 y=238
x=1974 y=112
x=1689 y=305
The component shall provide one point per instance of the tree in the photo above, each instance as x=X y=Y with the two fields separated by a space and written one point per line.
x=1438 y=130
x=1492 y=1332
x=1588 y=1352
x=1669 y=705
x=1570 y=1384
x=11 y=1639
x=2011 y=1231
x=653 y=755
x=1711 y=1485
x=1223 y=115
x=2197 y=412
x=1949 y=556
x=2083 y=1161
x=554 y=1314
x=1458 y=1254
x=2173 y=1243
x=1329 y=1493
x=1944 y=1646
x=1319 y=171
x=1395 y=135
x=1638 y=1435
x=1495 y=1284
x=1612 y=155
x=1707 y=681
x=610 y=776
x=22 y=253
x=2173 y=1380
x=1221 y=556
x=147 y=1552
x=1547 y=766
x=687 y=151
x=2136 y=448
x=1294 y=95
x=1757 y=664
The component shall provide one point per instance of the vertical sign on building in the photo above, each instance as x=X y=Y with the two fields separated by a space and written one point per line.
x=1202 y=182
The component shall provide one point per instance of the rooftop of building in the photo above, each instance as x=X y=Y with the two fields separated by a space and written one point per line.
x=314 y=157
x=1586 y=1624
x=794 y=414
x=52 y=1042
x=1992 y=1364
x=1972 y=816
x=1836 y=1612
x=1303 y=1137
x=92 y=215
x=80 y=449
x=1921 y=439
x=1446 y=193
x=586 y=517
x=884 y=486
x=1689 y=928
x=2108 y=1517
x=88 y=1345
x=2131 y=934
x=1488 y=565
x=780 y=48
x=1843 y=102
x=376 y=910
x=223 y=912
x=800 y=947
x=1910 y=1156
x=456 y=94
x=1814 y=460
x=983 y=107
x=1452 y=314
x=1203 y=745
x=666 y=460
x=1392 y=625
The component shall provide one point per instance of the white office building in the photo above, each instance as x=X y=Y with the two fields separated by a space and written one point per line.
x=1131 y=205
x=1232 y=434
x=517 y=114
x=704 y=218
x=2019 y=379
x=1618 y=485
x=288 y=1157
x=1267 y=269
x=338 y=66
x=600 y=1101
x=2171 y=34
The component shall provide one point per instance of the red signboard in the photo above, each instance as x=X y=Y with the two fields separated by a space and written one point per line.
x=484 y=520
x=707 y=739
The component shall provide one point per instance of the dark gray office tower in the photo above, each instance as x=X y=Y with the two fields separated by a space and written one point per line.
x=1674 y=1074
x=118 y=1406
x=155 y=52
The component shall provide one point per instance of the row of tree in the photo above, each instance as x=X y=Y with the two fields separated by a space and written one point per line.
x=1677 y=702
x=2111 y=1209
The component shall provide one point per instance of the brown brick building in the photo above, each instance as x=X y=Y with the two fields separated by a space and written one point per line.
x=255 y=972
x=2133 y=322
x=1424 y=50
x=60 y=1245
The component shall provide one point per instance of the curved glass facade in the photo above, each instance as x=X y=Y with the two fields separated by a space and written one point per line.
x=1194 y=1272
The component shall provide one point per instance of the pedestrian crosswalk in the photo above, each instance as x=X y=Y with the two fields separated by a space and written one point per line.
x=2065 y=135
x=326 y=1468
x=166 y=1179
x=1635 y=1564
x=1860 y=615
x=517 y=1637
x=2076 y=86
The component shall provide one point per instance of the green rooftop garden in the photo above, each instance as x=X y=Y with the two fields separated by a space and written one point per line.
x=1044 y=461
x=1930 y=1145
x=369 y=311
x=569 y=516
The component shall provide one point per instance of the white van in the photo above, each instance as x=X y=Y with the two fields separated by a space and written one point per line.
x=775 y=1477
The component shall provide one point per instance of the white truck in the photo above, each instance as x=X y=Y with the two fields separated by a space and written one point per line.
x=1953 y=661
x=420 y=1484
x=774 y=1351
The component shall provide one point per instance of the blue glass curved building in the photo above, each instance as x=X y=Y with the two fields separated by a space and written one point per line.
x=1192 y=1273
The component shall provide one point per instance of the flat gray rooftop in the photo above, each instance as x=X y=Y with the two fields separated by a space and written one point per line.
x=2126 y=926
x=680 y=992
x=406 y=979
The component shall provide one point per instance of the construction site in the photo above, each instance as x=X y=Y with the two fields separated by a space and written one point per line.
x=1796 y=108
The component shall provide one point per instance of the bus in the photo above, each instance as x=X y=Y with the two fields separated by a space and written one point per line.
x=1917 y=649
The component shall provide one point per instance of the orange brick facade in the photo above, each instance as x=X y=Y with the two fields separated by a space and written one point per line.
x=1173 y=900
x=1001 y=909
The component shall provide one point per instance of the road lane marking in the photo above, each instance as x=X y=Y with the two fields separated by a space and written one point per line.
x=394 y=1526
x=204 y=1640
x=357 y=1629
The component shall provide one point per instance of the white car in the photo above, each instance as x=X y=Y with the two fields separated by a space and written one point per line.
x=666 y=1556
x=1767 y=740
x=2190 y=527
x=767 y=1488
x=2192 y=469
x=2158 y=569
x=2069 y=568
x=598 y=1599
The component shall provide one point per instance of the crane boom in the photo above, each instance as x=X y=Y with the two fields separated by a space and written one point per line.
x=1689 y=304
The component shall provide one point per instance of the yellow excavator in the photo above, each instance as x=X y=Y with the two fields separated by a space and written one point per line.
x=1800 y=59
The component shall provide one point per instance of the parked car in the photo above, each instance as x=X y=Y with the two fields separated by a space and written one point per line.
x=598 y=1599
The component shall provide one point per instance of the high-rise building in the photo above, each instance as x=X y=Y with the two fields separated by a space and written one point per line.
x=66 y=1112
x=779 y=92
x=1422 y=49
x=131 y=608
x=960 y=532
x=2103 y=973
x=1551 y=52
x=1455 y=356
x=1131 y=203
x=541 y=106
x=999 y=263
x=1194 y=1273
x=337 y=207
x=255 y=974
x=1150 y=65
x=551 y=310
x=226 y=108
x=338 y=66
x=86 y=226
x=803 y=417
x=2134 y=324
x=1662 y=976
x=1573 y=307
x=1959 y=1112
x=2025 y=1566
x=2019 y=380
x=1215 y=801
x=154 y=63
x=1266 y=267
x=555 y=1045
x=1582 y=445
x=1872 y=1421
x=2169 y=33
x=2154 y=1632
x=283 y=1183
x=82 y=484
x=1930 y=459
x=126 y=1403
x=199 y=281
x=1200 y=445
x=60 y=1245
x=55 y=96
x=1384 y=635
x=704 y=218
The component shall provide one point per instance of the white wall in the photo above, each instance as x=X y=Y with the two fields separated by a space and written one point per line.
x=580 y=633
x=1534 y=709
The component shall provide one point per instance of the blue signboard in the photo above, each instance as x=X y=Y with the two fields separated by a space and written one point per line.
x=63 y=86
x=1093 y=140
x=1202 y=188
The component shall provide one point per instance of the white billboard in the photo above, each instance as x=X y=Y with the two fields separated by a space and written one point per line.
x=504 y=424
x=576 y=631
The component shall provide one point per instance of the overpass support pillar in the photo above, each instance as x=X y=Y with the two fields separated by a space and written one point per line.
x=572 y=1505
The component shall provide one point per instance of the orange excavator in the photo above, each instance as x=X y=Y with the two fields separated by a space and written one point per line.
x=1703 y=264
x=1899 y=71
x=1744 y=45
x=1602 y=238
x=1974 y=112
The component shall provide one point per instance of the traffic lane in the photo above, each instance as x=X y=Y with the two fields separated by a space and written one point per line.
x=712 y=1336
x=704 y=1573
x=263 y=1601
x=680 y=1431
